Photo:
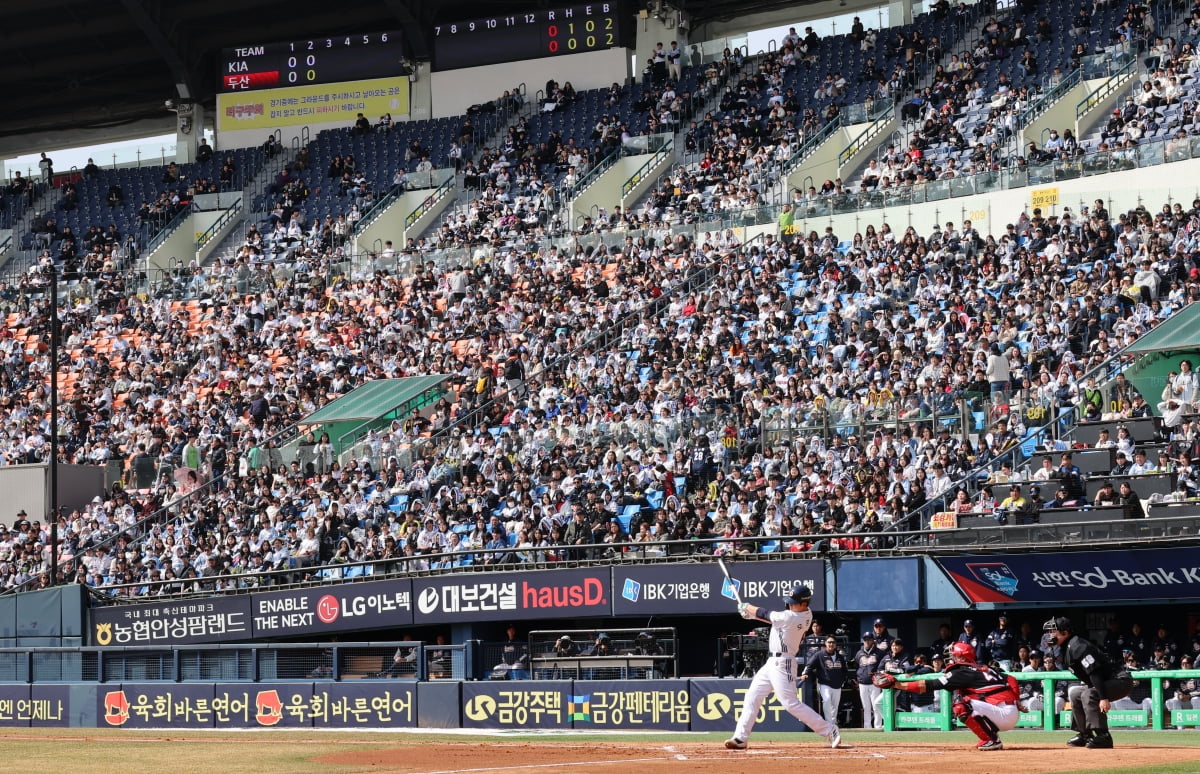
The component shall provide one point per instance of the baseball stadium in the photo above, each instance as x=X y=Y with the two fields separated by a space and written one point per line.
x=481 y=386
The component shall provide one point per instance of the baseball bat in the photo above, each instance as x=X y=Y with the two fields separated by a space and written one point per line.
x=737 y=594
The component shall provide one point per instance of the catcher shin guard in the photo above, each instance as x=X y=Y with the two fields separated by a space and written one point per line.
x=982 y=727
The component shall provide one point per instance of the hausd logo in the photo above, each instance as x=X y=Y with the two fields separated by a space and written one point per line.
x=587 y=594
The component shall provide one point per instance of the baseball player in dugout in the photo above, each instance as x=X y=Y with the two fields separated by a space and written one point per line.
x=1102 y=684
x=788 y=628
x=985 y=701
x=828 y=667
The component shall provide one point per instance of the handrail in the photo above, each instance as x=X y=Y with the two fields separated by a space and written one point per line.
x=869 y=541
x=643 y=170
x=229 y=214
x=1146 y=153
x=166 y=231
x=427 y=203
x=1050 y=96
x=810 y=145
x=1114 y=82
x=395 y=193
x=1053 y=419
x=593 y=174
x=866 y=135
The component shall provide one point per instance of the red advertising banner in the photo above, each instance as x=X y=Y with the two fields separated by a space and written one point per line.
x=508 y=596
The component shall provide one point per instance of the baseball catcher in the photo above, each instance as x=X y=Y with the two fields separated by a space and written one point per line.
x=788 y=628
x=985 y=701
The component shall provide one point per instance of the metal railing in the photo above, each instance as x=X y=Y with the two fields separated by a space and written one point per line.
x=810 y=145
x=1049 y=97
x=1114 y=83
x=1052 y=424
x=439 y=193
x=257 y=663
x=234 y=211
x=872 y=539
x=594 y=173
x=172 y=225
x=864 y=138
x=665 y=149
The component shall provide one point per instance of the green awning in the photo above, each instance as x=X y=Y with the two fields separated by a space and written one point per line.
x=373 y=399
x=1177 y=332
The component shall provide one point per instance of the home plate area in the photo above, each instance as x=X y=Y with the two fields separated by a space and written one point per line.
x=768 y=757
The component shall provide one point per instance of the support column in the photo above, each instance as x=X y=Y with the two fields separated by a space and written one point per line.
x=900 y=12
x=189 y=128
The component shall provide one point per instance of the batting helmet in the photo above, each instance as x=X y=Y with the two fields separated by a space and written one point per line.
x=962 y=653
x=800 y=593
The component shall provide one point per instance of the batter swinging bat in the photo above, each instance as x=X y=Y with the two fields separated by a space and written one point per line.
x=737 y=594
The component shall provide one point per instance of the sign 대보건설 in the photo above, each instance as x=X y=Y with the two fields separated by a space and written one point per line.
x=1154 y=573
x=185 y=622
x=510 y=596
x=684 y=589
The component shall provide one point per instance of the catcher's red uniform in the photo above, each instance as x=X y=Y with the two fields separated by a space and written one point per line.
x=984 y=700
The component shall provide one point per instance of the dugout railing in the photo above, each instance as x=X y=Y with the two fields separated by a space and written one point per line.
x=1076 y=528
x=268 y=662
x=1049 y=717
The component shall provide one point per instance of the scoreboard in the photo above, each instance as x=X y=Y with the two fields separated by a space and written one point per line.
x=572 y=29
x=312 y=61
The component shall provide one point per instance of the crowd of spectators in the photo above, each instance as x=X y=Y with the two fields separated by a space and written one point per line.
x=740 y=150
x=665 y=415
x=521 y=182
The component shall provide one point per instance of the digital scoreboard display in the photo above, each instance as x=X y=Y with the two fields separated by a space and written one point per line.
x=311 y=61
x=572 y=29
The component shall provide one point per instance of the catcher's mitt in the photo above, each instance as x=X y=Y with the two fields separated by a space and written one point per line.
x=883 y=680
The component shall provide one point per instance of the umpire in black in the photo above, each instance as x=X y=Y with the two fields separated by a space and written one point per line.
x=1102 y=684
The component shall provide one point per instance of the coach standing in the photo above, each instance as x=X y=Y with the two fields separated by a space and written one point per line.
x=828 y=666
x=866 y=663
x=1102 y=684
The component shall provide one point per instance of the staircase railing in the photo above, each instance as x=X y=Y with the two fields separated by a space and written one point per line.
x=234 y=211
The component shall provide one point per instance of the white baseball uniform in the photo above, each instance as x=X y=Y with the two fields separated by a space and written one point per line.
x=779 y=674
